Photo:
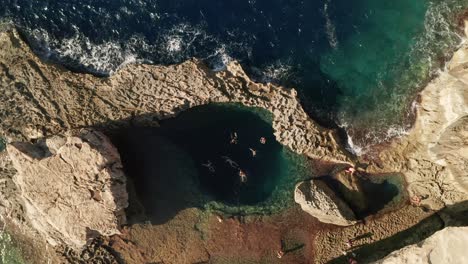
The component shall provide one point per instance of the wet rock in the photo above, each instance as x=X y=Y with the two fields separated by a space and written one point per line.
x=73 y=188
x=447 y=246
x=318 y=200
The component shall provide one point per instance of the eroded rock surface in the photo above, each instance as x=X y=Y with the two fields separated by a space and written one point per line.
x=318 y=200
x=73 y=188
x=39 y=99
x=447 y=246
x=434 y=156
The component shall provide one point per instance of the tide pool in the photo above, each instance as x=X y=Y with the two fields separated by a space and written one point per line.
x=211 y=156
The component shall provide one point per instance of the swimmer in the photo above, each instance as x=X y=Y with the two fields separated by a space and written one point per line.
x=253 y=151
x=243 y=176
x=233 y=138
x=230 y=162
x=209 y=165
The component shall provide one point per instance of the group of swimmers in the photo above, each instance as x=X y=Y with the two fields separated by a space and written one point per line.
x=234 y=140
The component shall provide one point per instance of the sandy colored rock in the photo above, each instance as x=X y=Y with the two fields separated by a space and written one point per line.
x=39 y=99
x=434 y=156
x=447 y=246
x=318 y=200
x=56 y=182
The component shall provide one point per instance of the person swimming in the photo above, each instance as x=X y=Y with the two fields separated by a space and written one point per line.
x=243 y=176
x=209 y=165
x=233 y=138
x=253 y=151
x=230 y=162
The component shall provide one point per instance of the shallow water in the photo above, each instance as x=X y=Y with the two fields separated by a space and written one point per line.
x=372 y=194
x=356 y=63
x=169 y=165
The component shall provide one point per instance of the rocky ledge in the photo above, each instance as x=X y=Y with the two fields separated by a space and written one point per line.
x=445 y=246
x=72 y=188
x=318 y=200
x=434 y=155
x=40 y=100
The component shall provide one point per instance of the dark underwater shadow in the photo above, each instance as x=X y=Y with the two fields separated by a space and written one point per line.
x=161 y=180
x=185 y=161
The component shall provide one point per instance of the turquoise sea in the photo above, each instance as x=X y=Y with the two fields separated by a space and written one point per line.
x=357 y=64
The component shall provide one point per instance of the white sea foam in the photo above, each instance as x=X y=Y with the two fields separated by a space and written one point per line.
x=353 y=148
x=330 y=27
x=174 y=44
x=276 y=71
x=104 y=58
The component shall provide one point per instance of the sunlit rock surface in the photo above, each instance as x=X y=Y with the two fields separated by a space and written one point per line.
x=42 y=99
x=318 y=200
x=434 y=155
x=447 y=246
x=73 y=188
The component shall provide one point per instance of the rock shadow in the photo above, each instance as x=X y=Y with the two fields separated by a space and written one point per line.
x=368 y=195
x=162 y=178
x=454 y=215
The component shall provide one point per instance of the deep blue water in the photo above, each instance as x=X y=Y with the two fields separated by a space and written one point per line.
x=356 y=63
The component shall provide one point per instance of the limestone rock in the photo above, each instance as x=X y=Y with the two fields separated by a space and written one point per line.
x=73 y=188
x=434 y=156
x=318 y=200
x=40 y=99
x=448 y=246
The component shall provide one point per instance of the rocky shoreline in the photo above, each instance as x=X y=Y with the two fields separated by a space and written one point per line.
x=41 y=101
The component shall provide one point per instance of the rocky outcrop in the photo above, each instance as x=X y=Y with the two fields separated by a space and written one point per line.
x=39 y=99
x=73 y=188
x=318 y=200
x=447 y=246
x=434 y=156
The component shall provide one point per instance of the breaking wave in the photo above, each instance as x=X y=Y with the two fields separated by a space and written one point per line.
x=275 y=42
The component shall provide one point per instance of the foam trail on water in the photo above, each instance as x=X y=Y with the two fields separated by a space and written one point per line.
x=330 y=28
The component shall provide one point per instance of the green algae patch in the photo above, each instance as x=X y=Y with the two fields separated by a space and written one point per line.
x=9 y=253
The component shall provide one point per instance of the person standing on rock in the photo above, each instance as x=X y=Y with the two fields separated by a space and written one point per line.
x=350 y=170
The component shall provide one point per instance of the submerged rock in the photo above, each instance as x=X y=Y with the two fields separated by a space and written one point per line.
x=447 y=246
x=318 y=200
x=73 y=188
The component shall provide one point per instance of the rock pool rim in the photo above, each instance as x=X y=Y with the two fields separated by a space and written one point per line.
x=267 y=195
